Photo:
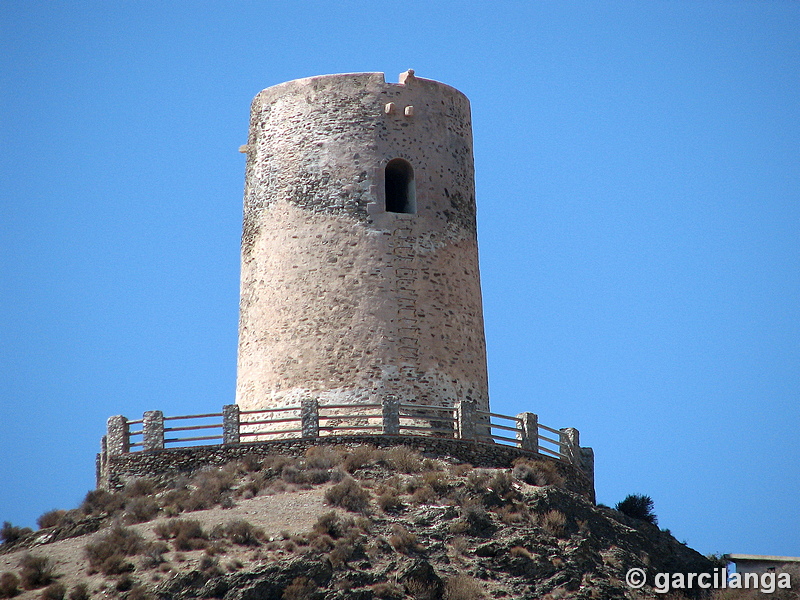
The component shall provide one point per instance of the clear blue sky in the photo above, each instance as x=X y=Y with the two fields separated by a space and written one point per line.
x=638 y=177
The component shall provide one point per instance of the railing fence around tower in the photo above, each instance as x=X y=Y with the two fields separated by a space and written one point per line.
x=312 y=419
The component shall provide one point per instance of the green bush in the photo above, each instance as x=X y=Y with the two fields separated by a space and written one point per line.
x=638 y=506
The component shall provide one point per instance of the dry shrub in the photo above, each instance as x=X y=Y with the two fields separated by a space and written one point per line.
x=107 y=553
x=54 y=591
x=349 y=495
x=424 y=495
x=403 y=540
x=141 y=486
x=140 y=509
x=250 y=463
x=437 y=480
x=460 y=470
x=389 y=501
x=463 y=587
x=459 y=545
x=36 y=571
x=10 y=533
x=79 y=592
x=138 y=592
x=423 y=590
x=51 y=518
x=359 y=457
x=537 y=472
x=520 y=551
x=387 y=591
x=210 y=488
x=333 y=525
x=243 y=533
x=553 y=522
x=403 y=459
x=9 y=585
x=186 y=534
x=511 y=514
x=323 y=457
x=98 y=502
x=301 y=588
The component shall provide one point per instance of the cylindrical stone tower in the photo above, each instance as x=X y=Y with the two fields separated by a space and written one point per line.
x=359 y=251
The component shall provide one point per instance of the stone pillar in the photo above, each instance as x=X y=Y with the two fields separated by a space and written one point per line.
x=309 y=417
x=466 y=419
x=528 y=431
x=117 y=435
x=391 y=415
x=587 y=464
x=570 y=438
x=153 y=430
x=230 y=424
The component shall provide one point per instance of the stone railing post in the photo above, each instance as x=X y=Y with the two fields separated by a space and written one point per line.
x=570 y=440
x=153 y=430
x=230 y=424
x=309 y=417
x=465 y=410
x=528 y=431
x=118 y=440
x=391 y=415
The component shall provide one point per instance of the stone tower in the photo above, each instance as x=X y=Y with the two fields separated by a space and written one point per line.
x=359 y=251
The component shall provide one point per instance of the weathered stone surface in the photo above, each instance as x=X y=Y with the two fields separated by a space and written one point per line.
x=340 y=299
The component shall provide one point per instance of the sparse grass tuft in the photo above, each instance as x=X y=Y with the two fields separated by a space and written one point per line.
x=537 y=472
x=463 y=587
x=553 y=522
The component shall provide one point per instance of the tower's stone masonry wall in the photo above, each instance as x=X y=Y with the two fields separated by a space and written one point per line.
x=341 y=300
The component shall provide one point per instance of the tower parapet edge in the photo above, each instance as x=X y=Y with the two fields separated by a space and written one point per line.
x=360 y=271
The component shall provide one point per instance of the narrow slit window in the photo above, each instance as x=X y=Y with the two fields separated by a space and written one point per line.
x=400 y=193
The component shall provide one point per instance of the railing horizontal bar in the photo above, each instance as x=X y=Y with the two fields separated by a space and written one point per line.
x=507 y=439
x=193 y=439
x=350 y=405
x=424 y=428
x=428 y=407
x=431 y=417
x=506 y=427
x=347 y=427
x=193 y=416
x=553 y=453
x=550 y=429
x=140 y=432
x=287 y=420
x=136 y=444
x=192 y=427
x=269 y=410
x=276 y=432
x=139 y=422
x=498 y=415
x=331 y=417
x=551 y=440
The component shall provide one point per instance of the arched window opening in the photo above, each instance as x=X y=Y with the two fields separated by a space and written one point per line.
x=400 y=193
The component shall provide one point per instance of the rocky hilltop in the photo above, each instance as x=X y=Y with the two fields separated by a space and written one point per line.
x=360 y=523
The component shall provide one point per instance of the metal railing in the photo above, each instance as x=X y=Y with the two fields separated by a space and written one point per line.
x=311 y=419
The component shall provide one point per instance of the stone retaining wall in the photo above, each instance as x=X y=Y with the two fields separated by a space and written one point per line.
x=119 y=469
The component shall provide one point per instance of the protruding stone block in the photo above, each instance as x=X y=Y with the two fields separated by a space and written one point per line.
x=230 y=424
x=153 y=430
